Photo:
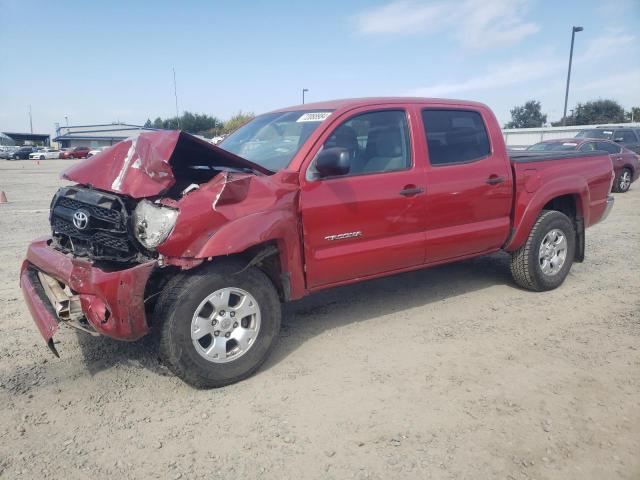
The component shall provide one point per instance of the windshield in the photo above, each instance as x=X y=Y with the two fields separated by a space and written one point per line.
x=271 y=140
x=595 y=133
x=553 y=147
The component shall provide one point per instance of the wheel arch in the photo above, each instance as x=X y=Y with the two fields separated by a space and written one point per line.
x=573 y=202
x=268 y=240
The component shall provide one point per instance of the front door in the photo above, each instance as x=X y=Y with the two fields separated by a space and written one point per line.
x=370 y=220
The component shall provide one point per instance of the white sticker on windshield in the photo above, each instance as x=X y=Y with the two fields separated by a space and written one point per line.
x=607 y=132
x=569 y=144
x=313 y=117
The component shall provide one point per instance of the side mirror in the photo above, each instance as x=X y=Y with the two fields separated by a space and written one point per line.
x=618 y=140
x=333 y=161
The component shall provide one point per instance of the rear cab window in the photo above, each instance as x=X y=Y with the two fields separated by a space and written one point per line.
x=455 y=136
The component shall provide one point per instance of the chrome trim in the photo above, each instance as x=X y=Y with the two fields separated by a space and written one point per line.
x=342 y=236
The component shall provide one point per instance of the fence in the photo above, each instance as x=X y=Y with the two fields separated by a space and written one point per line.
x=523 y=137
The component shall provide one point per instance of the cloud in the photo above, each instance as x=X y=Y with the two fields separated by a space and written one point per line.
x=476 y=24
x=603 y=46
x=512 y=73
x=616 y=83
x=545 y=66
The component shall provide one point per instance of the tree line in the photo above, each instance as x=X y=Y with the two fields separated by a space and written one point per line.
x=200 y=123
x=594 y=112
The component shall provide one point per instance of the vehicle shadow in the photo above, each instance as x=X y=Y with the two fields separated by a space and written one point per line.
x=337 y=307
x=103 y=353
x=326 y=310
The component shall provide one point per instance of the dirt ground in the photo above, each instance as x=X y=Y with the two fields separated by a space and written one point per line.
x=448 y=373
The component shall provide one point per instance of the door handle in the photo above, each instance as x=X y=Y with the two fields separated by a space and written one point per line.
x=411 y=190
x=494 y=180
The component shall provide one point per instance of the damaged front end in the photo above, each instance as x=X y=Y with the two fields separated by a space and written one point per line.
x=138 y=213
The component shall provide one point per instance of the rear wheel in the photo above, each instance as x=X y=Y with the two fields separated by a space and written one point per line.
x=623 y=181
x=545 y=259
x=217 y=325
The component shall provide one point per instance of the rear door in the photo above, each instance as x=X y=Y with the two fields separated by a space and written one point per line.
x=469 y=183
x=371 y=220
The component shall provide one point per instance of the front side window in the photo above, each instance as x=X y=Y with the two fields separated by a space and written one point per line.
x=587 y=147
x=455 y=136
x=376 y=142
x=271 y=140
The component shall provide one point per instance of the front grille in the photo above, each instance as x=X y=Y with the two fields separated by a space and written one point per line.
x=103 y=236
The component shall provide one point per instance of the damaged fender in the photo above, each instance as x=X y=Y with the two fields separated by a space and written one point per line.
x=234 y=212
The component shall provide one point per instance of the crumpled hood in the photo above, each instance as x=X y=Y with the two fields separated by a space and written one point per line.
x=141 y=167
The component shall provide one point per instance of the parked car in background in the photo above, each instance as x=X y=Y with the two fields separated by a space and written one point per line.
x=45 y=153
x=77 y=152
x=6 y=151
x=626 y=164
x=628 y=137
x=96 y=151
x=202 y=243
x=23 y=153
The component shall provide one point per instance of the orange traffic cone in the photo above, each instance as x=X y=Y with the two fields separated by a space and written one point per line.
x=3 y=197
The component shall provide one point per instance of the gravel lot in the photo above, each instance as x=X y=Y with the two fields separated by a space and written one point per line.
x=446 y=373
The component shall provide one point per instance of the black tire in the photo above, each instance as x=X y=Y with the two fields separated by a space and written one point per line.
x=525 y=262
x=41 y=157
x=177 y=304
x=620 y=186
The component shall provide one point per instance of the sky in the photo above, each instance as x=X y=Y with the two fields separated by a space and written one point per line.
x=102 y=62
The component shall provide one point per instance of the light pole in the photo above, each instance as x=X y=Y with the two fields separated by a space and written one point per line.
x=304 y=90
x=566 y=93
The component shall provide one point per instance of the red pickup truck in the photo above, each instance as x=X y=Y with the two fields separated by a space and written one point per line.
x=200 y=244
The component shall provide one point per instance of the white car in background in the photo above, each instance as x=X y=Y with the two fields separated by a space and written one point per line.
x=45 y=153
x=95 y=151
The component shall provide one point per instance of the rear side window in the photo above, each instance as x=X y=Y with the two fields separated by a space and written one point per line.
x=455 y=136
x=608 y=147
x=627 y=136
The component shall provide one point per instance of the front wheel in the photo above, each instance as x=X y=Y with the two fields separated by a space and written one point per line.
x=217 y=325
x=545 y=259
x=623 y=181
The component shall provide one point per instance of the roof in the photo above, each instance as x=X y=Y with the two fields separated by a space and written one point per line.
x=27 y=136
x=89 y=137
x=112 y=131
x=350 y=103
x=577 y=140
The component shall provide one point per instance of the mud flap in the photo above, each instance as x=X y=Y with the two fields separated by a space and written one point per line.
x=580 y=240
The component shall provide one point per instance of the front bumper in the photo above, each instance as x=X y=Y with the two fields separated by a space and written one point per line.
x=112 y=302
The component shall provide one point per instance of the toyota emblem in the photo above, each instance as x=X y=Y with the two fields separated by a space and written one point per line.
x=81 y=219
